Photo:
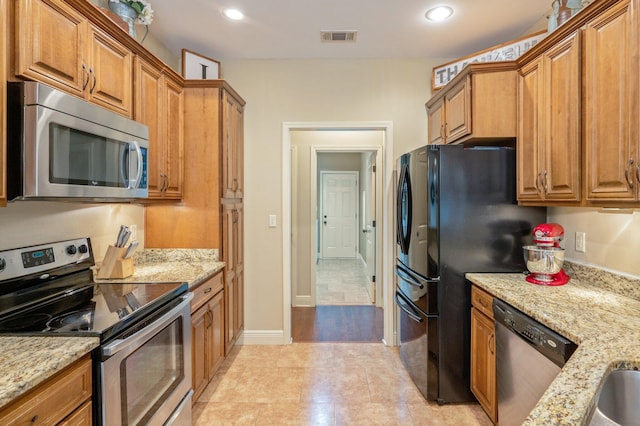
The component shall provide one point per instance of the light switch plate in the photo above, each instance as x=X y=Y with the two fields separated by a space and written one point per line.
x=272 y=221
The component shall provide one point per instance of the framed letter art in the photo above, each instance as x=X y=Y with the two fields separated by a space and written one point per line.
x=198 y=67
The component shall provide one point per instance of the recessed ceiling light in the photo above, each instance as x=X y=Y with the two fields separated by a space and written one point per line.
x=234 y=14
x=439 y=13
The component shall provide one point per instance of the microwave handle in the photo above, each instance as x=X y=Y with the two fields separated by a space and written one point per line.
x=134 y=183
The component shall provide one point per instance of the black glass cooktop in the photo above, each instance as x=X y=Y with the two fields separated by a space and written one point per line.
x=78 y=306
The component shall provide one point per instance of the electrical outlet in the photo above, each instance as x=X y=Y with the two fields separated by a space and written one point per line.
x=581 y=242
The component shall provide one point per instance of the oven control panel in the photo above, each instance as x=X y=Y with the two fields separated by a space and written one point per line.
x=19 y=262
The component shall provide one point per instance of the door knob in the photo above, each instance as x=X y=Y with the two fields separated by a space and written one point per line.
x=324 y=221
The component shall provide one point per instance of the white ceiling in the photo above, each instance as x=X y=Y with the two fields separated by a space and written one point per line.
x=279 y=29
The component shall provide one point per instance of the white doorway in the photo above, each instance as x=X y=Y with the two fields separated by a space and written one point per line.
x=384 y=218
x=339 y=214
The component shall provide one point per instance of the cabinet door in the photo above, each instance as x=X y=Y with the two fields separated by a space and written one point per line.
x=147 y=111
x=48 y=42
x=611 y=107
x=529 y=140
x=562 y=84
x=483 y=363
x=174 y=139
x=228 y=256
x=457 y=108
x=199 y=372
x=232 y=147
x=110 y=70
x=216 y=333
x=436 y=123
x=239 y=266
x=239 y=149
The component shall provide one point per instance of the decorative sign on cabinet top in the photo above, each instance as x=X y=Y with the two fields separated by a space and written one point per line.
x=198 y=67
x=508 y=51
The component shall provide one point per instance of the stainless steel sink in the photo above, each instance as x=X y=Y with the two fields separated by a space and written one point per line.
x=618 y=400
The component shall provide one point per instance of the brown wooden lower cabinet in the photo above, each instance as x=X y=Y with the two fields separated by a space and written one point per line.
x=207 y=332
x=63 y=399
x=483 y=353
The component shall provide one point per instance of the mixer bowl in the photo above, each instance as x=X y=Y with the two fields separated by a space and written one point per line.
x=543 y=261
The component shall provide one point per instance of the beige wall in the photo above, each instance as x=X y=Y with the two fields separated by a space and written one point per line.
x=315 y=90
x=25 y=223
x=612 y=239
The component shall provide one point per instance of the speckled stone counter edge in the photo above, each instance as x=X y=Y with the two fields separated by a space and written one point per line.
x=192 y=266
x=27 y=361
x=607 y=330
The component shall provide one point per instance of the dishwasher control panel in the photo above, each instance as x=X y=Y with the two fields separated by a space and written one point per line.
x=551 y=344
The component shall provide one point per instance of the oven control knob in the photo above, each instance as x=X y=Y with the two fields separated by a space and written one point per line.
x=83 y=248
x=3 y=264
x=71 y=250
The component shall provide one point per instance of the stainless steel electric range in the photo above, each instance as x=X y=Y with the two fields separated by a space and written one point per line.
x=142 y=369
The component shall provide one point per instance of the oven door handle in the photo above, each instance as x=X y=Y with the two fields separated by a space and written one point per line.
x=143 y=335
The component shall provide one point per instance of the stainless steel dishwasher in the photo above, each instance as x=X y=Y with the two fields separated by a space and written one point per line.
x=528 y=357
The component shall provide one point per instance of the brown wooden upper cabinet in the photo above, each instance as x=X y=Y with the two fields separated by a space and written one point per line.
x=232 y=147
x=479 y=104
x=578 y=90
x=159 y=105
x=58 y=46
x=611 y=96
x=548 y=145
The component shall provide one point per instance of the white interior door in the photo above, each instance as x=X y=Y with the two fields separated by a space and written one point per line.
x=339 y=214
x=370 y=227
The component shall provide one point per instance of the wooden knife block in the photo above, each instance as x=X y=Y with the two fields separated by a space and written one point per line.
x=114 y=266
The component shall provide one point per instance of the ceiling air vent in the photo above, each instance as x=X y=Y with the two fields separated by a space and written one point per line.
x=338 y=36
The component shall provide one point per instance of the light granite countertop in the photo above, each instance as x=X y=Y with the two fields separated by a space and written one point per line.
x=599 y=311
x=26 y=361
x=163 y=265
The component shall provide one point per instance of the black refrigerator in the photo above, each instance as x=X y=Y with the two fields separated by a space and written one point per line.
x=456 y=213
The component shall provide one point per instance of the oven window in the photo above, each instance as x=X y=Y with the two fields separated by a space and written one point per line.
x=81 y=158
x=151 y=373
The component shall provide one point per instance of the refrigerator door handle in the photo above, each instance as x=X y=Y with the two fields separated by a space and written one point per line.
x=407 y=277
x=404 y=236
x=415 y=279
x=407 y=308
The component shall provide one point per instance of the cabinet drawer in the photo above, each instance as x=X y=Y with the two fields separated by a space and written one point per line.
x=81 y=417
x=206 y=291
x=52 y=401
x=482 y=300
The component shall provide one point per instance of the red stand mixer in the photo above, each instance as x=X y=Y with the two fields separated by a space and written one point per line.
x=544 y=259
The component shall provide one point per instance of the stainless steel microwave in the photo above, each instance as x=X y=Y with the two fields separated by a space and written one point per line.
x=62 y=147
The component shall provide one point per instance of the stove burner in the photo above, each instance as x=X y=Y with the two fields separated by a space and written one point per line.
x=72 y=321
x=23 y=323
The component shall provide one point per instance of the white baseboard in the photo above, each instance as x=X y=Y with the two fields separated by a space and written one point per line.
x=302 y=301
x=262 y=337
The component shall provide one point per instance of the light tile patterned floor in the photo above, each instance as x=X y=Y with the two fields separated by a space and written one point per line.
x=321 y=384
x=342 y=282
